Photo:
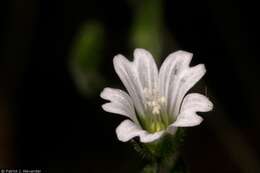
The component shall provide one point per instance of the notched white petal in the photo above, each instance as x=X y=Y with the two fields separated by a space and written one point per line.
x=169 y=75
x=128 y=75
x=120 y=103
x=115 y=95
x=187 y=119
x=150 y=137
x=196 y=102
x=192 y=104
x=128 y=130
x=172 y=66
x=186 y=81
x=146 y=68
x=116 y=109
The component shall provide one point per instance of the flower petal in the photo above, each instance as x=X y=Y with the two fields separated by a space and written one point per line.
x=146 y=68
x=128 y=75
x=128 y=130
x=189 y=78
x=170 y=74
x=120 y=103
x=192 y=103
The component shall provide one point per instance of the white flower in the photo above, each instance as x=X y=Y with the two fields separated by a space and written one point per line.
x=156 y=103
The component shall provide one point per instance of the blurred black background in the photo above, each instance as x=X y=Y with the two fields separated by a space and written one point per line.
x=46 y=123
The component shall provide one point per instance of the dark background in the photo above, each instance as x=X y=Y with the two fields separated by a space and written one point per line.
x=46 y=123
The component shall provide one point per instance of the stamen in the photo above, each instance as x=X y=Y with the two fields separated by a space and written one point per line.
x=155 y=105
x=153 y=100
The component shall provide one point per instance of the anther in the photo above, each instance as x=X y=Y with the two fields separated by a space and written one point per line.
x=153 y=100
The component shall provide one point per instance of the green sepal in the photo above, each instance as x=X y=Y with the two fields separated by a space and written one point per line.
x=163 y=154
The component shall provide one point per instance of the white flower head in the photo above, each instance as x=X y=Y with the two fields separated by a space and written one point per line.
x=155 y=102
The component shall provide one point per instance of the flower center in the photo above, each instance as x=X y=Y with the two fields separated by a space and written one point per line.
x=155 y=106
x=153 y=100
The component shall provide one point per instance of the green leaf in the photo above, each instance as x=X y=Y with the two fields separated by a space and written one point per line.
x=85 y=57
x=147 y=28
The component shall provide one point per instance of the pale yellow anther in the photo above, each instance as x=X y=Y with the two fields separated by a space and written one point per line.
x=156 y=109
x=154 y=103
x=153 y=100
x=162 y=100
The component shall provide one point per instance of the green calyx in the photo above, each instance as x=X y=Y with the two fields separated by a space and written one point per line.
x=162 y=155
x=162 y=148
